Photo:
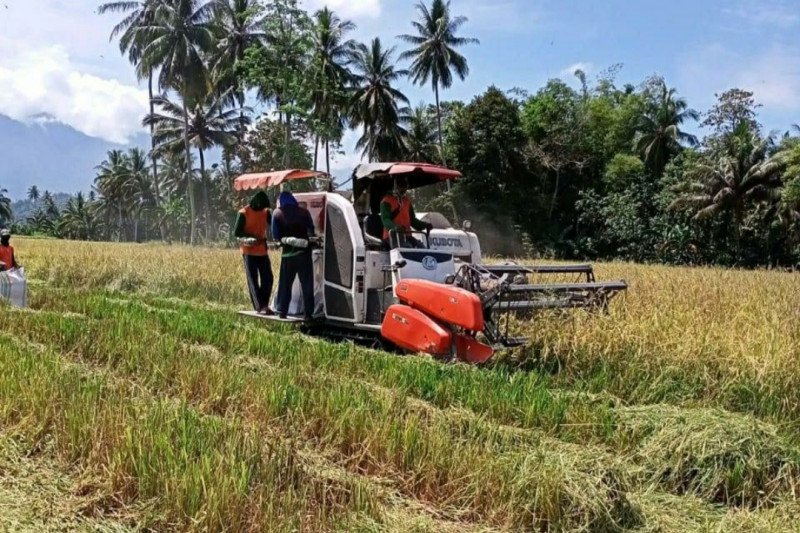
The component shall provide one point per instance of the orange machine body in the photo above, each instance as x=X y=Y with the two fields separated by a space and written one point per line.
x=471 y=350
x=413 y=330
x=444 y=303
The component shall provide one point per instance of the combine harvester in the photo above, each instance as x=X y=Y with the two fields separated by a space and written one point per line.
x=439 y=299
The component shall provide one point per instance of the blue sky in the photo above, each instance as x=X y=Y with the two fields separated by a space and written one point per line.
x=56 y=62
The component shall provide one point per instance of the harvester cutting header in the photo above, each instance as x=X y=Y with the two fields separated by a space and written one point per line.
x=422 y=288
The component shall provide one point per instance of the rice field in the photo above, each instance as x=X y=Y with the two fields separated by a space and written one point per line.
x=135 y=389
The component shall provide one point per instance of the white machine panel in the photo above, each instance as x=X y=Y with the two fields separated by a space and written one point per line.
x=343 y=262
x=422 y=264
x=376 y=278
x=461 y=244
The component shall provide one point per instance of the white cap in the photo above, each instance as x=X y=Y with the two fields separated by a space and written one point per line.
x=5 y=233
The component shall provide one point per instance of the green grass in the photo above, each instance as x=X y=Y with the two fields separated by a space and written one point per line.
x=188 y=417
x=462 y=464
x=189 y=469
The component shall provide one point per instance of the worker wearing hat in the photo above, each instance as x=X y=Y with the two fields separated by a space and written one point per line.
x=397 y=214
x=293 y=226
x=251 y=227
x=7 y=258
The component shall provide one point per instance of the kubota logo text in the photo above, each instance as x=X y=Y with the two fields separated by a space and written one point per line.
x=447 y=242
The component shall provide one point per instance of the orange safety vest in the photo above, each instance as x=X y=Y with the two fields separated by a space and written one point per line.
x=255 y=223
x=7 y=256
x=400 y=206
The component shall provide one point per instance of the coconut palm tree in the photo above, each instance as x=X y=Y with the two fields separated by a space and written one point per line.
x=434 y=53
x=78 y=219
x=210 y=123
x=741 y=178
x=138 y=191
x=237 y=25
x=111 y=185
x=173 y=174
x=376 y=104
x=421 y=138
x=41 y=222
x=176 y=42
x=33 y=193
x=659 y=135
x=332 y=54
x=5 y=206
x=138 y=15
x=131 y=30
x=174 y=211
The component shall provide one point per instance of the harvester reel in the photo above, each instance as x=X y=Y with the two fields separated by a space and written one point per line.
x=506 y=290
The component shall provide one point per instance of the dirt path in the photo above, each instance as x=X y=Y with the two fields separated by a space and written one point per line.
x=37 y=495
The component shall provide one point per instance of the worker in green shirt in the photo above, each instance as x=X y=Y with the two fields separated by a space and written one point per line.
x=251 y=227
x=397 y=214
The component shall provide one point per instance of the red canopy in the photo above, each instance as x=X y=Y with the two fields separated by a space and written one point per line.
x=264 y=180
x=441 y=172
x=378 y=176
x=433 y=172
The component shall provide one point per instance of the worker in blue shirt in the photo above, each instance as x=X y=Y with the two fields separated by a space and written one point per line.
x=292 y=226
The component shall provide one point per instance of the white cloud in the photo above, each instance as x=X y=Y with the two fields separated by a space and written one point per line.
x=342 y=164
x=351 y=9
x=569 y=71
x=45 y=81
x=506 y=16
x=774 y=77
x=771 y=72
x=776 y=14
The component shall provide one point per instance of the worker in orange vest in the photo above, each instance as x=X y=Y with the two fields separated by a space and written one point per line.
x=7 y=258
x=251 y=231
x=397 y=214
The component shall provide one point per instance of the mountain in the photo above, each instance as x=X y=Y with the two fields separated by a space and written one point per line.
x=51 y=155
x=23 y=209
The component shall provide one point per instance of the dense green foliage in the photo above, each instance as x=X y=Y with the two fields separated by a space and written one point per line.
x=5 y=206
x=608 y=172
x=602 y=171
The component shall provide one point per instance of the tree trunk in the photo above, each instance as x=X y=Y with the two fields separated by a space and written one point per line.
x=241 y=134
x=328 y=157
x=240 y=97
x=316 y=151
x=554 y=199
x=441 y=146
x=226 y=159
x=156 y=184
x=738 y=216
x=439 y=127
x=189 y=187
x=206 y=203
x=286 y=141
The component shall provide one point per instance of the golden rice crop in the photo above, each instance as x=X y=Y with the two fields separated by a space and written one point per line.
x=676 y=410
x=710 y=336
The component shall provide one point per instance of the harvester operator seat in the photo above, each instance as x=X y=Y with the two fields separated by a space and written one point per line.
x=373 y=232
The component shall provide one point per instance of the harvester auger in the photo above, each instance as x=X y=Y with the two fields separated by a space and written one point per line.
x=433 y=296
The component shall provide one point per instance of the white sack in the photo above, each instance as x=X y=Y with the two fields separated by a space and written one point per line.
x=14 y=287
